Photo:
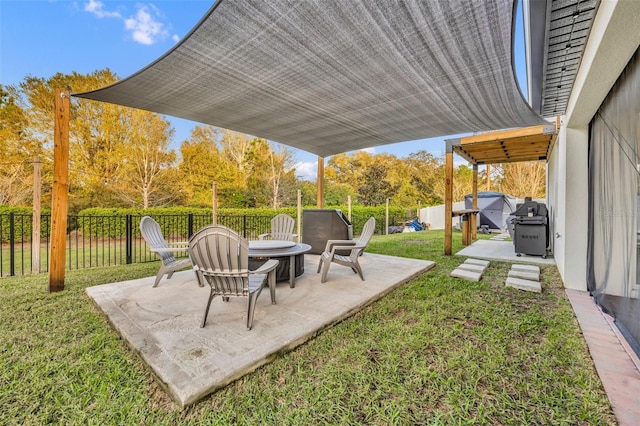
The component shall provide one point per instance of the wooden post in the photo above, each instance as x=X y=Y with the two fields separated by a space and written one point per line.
x=299 y=214
x=214 y=203
x=35 y=223
x=320 y=183
x=60 y=197
x=474 y=204
x=488 y=177
x=386 y=219
x=349 y=206
x=448 y=199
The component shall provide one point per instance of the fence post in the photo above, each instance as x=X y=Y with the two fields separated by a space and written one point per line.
x=12 y=244
x=129 y=239
x=244 y=226
x=190 y=225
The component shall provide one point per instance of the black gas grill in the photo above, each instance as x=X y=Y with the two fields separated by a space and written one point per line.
x=531 y=229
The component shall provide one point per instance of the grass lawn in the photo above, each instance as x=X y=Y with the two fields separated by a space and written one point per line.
x=436 y=351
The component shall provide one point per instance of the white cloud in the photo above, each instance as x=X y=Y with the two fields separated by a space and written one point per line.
x=369 y=150
x=97 y=8
x=307 y=170
x=144 y=27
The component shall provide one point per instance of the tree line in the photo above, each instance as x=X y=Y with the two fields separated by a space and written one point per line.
x=122 y=157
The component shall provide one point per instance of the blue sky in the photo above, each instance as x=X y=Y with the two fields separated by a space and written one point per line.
x=41 y=38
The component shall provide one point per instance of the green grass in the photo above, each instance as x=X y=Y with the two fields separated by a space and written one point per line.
x=438 y=350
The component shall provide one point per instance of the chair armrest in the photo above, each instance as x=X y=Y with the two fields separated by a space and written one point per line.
x=179 y=244
x=332 y=243
x=262 y=236
x=169 y=249
x=270 y=265
x=353 y=247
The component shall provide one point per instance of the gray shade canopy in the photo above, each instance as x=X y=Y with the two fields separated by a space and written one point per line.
x=331 y=76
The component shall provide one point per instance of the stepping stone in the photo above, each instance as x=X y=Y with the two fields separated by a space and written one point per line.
x=477 y=262
x=533 y=276
x=526 y=268
x=526 y=285
x=466 y=275
x=473 y=268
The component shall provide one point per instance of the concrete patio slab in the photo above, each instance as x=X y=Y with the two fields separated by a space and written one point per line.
x=500 y=250
x=163 y=324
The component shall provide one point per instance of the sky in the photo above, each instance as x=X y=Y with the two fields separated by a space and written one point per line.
x=40 y=38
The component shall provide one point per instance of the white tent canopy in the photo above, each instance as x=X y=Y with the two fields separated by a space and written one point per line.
x=330 y=76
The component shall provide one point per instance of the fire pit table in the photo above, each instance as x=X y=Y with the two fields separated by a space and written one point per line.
x=289 y=253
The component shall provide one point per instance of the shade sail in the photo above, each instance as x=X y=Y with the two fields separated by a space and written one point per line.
x=330 y=76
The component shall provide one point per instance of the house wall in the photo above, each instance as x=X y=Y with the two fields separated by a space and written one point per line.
x=568 y=169
x=614 y=38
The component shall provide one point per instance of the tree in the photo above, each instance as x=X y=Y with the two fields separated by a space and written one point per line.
x=462 y=182
x=523 y=179
x=108 y=143
x=423 y=168
x=280 y=164
x=146 y=178
x=15 y=175
x=373 y=188
x=203 y=164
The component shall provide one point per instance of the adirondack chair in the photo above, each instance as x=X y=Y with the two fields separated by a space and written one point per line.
x=221 y=257
x=152 y=234
x=355 y=248
x=281 y=229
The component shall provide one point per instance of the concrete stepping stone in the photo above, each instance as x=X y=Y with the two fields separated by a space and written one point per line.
x=466 y=275
x=521 y=284
x=533 y=276
x=526 y=268
x=477 y=262
x=473 y=268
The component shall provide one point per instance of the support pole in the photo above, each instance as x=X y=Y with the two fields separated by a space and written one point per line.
x=488 y=177
x=448 y=199
x=214 y=203
x=386 y=219
x=35 y=223
x=299 y=214
x=60 y=197
x=474 y=204
x=320 y=183
x=349 y=207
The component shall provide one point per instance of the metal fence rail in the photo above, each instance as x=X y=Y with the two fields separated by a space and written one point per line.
x=96 y=241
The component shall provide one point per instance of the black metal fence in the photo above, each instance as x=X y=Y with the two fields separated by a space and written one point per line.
x=96 y=241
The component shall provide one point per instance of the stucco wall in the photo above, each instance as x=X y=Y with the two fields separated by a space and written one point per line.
x=613 y=40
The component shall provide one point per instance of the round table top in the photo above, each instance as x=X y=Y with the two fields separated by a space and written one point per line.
x=293 y=250
x=270 y=244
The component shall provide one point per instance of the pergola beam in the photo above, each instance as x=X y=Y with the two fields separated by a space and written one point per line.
x=543 y=129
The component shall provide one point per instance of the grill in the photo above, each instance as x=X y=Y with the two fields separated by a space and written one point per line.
x=320 y=225
x=531 y=229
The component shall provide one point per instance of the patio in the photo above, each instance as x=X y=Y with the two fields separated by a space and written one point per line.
x=162 y=324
